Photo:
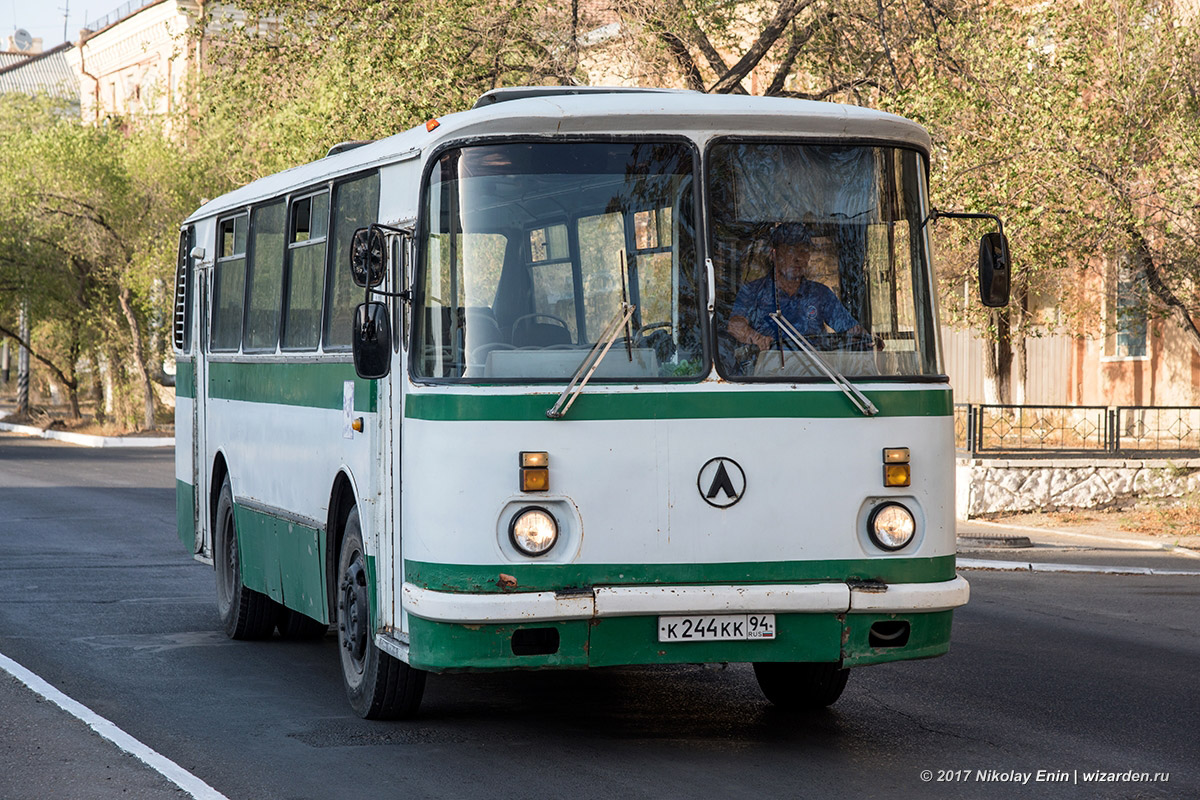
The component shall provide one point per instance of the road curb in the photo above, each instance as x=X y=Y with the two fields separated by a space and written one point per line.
x=87 y=439
x=1033 y=566
x=1148 y=545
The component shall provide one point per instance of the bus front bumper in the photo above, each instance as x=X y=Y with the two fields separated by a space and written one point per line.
x=611 y=625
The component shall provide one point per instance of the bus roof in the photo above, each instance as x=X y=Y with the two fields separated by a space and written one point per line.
x=545 y=111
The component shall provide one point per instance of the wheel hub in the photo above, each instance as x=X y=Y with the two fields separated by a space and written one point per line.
x=354 y=611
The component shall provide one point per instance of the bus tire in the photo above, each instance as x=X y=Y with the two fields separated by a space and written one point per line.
x=801 y=686
x=377 y=685
x=245 y=613
x=299 y=627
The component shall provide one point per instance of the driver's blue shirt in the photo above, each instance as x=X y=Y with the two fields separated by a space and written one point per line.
x=810 y=309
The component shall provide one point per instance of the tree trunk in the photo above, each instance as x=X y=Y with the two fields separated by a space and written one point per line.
x=1159 y=288
x=71 y=383
x=1019 y=346
x=997 y=360
x=139 y=361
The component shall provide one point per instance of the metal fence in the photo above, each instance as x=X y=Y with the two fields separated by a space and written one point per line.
x=118 y=14
x=1077 y=430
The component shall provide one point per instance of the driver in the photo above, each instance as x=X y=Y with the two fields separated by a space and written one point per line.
x=805 y=303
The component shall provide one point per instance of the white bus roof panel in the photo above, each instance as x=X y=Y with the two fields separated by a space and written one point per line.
x=701 y=116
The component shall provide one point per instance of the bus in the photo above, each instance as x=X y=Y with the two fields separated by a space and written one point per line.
x=536 y=385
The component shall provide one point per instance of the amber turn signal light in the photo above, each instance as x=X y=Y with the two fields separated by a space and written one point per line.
x=535 y=471
x=896 y=469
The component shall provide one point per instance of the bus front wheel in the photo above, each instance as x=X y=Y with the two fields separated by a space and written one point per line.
x=245 y=613
x=801 y=686
x=378 y=685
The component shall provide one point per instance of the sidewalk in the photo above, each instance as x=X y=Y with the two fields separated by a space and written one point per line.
x=48 y=753
x=85 y=439
x=1094 y=541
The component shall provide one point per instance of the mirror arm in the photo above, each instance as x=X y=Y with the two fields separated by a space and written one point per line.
x=936 y=214
x=392 y=229
x=406 y=295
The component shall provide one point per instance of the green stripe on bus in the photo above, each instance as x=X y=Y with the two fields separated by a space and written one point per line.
x=313 y=385
x=675 y=405
x=550 y=577
x=611 y=641
x=928 y=636
x=185 y=514
x=185 y=379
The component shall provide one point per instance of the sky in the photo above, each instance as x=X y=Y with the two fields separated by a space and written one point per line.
x=44 y=18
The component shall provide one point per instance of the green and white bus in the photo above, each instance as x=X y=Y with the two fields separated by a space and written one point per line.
x=469 y=395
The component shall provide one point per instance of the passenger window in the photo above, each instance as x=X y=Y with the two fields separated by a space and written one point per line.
x=182 y=327
x=601 y=241
x=266 y=277
x=355 y=205
x=229 y=284
x=306 y=272
x=548 y=244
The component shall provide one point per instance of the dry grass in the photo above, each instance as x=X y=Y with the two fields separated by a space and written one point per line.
x=1174 y=520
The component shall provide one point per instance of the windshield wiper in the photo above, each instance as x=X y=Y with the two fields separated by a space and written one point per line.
x=860 y=400
x=592 y=361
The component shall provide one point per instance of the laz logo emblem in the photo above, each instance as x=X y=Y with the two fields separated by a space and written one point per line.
x=721 y=482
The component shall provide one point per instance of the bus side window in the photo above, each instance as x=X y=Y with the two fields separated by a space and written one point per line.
x=182 y=326
x=265 y=275
x=355 y=205
x=306 y=272
x=229 y=282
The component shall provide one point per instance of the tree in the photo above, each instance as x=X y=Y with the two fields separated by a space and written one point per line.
x=282 y=82
x=1077 y=120
x=852 y=50
x=89 y=237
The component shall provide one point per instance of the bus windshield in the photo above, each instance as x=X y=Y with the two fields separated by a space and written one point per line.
x=828 y=238
x=529 y=250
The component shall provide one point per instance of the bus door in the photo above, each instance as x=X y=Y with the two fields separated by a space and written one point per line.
x=391 y=420
x=203 y=262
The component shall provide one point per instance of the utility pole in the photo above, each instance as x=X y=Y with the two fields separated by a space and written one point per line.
x=23 y=363
x=5 y=366
x=66 y=17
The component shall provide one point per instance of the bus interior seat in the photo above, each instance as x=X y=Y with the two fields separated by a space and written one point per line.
x=481 y=326
x=528 y=332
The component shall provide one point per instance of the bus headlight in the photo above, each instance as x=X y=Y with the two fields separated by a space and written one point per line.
x=891 y=526
x=533 y=531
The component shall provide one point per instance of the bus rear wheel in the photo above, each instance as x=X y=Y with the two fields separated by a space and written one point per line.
x=245 y=613
x=377 y=685
x=801 y=686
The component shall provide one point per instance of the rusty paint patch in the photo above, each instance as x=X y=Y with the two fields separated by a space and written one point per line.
x=506 y=581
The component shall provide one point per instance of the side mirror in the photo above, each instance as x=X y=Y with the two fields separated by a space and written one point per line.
x=995 y=270
x=368 y=252
x=372 y=340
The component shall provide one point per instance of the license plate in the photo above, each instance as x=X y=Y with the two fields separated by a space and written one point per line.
x=719 y=628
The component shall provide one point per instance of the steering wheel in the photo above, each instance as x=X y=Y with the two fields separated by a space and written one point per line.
x=645 y=332
x=860 y=342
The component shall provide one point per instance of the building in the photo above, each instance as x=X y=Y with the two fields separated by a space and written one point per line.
x=30 y=70
x=136 y=59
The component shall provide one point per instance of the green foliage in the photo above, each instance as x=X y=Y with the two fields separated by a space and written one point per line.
x=285 y=81
x=1077 y=121
x=90 y=215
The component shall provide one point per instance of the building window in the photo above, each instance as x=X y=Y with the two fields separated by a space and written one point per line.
x=1129 y=315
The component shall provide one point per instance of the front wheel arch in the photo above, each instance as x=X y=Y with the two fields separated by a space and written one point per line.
x=342 y=500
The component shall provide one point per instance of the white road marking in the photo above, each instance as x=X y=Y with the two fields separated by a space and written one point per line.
x=1033 y=566
x=107 y=730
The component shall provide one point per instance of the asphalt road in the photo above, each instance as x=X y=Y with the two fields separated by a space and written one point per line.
x=1062 y=673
